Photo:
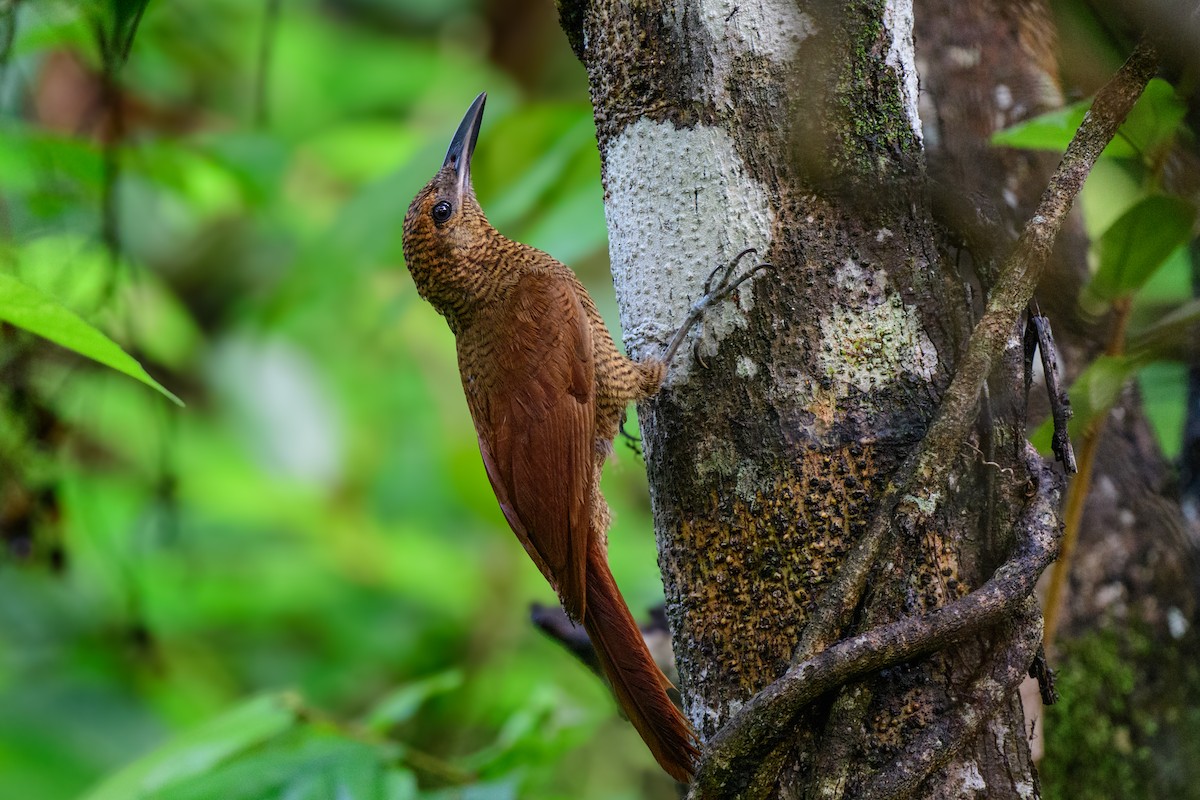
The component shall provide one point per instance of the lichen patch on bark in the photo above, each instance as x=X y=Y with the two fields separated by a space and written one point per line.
x=770 y=29
x=971 y=779
x=679 y=202
x=872 y=338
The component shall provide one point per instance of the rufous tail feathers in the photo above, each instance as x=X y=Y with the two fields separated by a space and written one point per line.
x=638 y=683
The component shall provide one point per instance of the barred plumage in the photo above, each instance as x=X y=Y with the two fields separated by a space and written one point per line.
x=546 y=387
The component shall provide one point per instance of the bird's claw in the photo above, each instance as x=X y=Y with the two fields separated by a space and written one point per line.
x=729 y=268
x=724 y=287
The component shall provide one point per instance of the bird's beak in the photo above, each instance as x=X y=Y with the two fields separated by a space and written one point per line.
x=462 y=146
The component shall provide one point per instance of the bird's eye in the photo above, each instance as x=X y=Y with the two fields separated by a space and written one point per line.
x=441 y=212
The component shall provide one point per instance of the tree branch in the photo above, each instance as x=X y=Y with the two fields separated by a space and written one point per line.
x=942 y=741
x=1040 y=338
x=733 y=755
x=1018 y=279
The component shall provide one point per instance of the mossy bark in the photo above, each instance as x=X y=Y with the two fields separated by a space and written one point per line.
x=772 y=440
x=1133 y=579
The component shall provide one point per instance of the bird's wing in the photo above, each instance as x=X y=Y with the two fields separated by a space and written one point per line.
x=537 y=438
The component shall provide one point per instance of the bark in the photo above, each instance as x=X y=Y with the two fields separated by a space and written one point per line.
x=795 y=130
x=1134 y=576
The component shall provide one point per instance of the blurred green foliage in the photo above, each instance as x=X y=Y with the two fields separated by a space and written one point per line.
x=300 y=585
x=1103 y=743
x=1141 y=255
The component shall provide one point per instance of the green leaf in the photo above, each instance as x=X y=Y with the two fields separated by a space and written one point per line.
x=319 y=766
x=404 y=702
x=400 y=784
x=1171 y=335
x=1164 y=389
x=1138 y=243
x=201 y=749
x=1153 y=121
x=1097 y=388
x=32 y=159
x=28 y=308
x=116 y=24
x=1151 y=125
x=1092 y=395
x=546 y=163
x=1050 y=131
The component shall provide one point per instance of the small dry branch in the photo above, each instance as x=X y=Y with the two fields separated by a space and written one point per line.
x=1040 y=339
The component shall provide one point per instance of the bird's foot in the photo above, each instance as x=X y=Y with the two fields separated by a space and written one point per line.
x=725 y=286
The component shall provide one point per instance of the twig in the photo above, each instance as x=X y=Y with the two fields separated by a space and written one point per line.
x=266 y=45
x=734 y=753
x=1038 y=337
x=1040 y=671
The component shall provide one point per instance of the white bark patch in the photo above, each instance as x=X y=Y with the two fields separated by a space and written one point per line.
x=964 y=57
x=874 y=339
x=770 y=28
x=679 y=202
x=1177 y=623
x=971 y=780
x=901 y=56
x=1003 y=97
x=746 y=368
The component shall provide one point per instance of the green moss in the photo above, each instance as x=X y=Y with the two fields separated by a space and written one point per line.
x=877 y=138
x=1127 y=724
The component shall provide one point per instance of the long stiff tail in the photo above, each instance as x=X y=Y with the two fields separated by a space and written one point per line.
x=640 y=686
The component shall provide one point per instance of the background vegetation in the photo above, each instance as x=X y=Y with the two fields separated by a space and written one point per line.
x=299 y=585
x=316 y=521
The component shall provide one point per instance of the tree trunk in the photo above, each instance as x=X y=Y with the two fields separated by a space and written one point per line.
x=794 y=130
x=1133 y=589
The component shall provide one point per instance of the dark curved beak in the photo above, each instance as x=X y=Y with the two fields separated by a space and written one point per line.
x=462 y=146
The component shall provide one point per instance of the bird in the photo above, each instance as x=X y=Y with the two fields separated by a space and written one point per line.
x=547 y=390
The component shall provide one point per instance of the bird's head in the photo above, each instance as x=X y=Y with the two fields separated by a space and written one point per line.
x=444 y=216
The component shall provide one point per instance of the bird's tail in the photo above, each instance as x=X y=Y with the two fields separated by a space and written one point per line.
x=640 y=686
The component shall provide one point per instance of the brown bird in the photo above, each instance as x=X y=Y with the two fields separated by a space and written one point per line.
x=547 y=388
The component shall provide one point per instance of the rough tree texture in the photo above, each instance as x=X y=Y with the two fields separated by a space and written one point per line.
x=1134 y=567
x=793 y=129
